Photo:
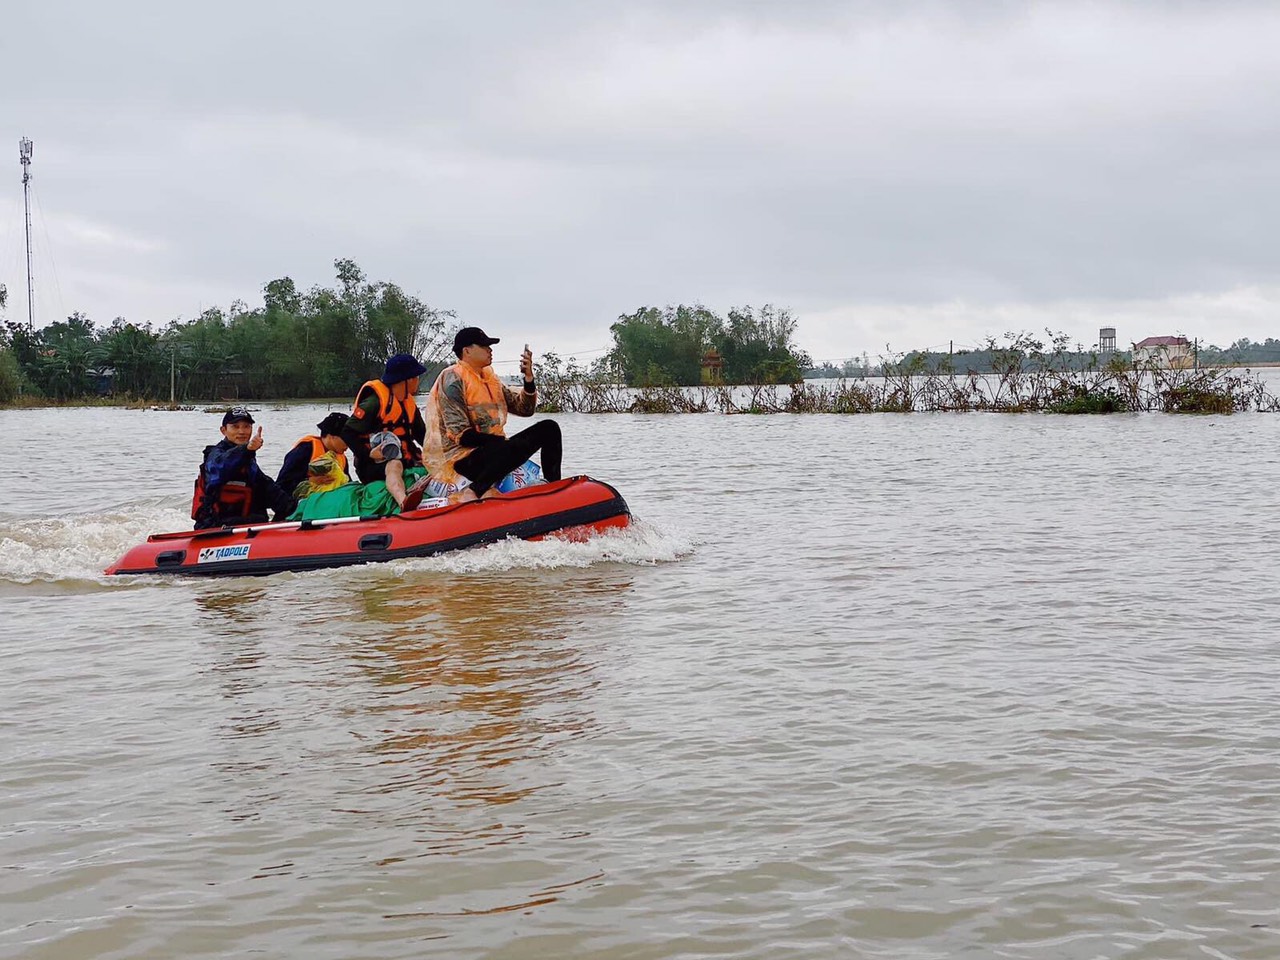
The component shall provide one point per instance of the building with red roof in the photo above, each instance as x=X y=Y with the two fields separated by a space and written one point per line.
x=1169 y=352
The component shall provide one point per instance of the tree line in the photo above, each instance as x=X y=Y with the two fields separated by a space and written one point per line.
x=321 y=342
x=325 y=341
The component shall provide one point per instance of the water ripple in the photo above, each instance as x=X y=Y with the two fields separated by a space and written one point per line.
x=876 y=687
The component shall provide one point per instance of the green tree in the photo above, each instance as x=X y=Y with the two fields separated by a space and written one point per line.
x=10 y=372
x=654 y=347
x=201 y=352
x=10 y=376
x=133 y=355
x=657 y=347
x=69 y=358
x=758 y=348
x=281 y=295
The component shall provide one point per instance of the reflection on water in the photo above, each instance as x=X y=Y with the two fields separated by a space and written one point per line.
x=454 y=694
x=478 y=678
x=232 y=605
x=230 y=615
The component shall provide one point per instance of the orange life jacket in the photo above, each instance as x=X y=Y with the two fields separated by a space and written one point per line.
x=486 y=402
x=486 y=412
x=234 y=499
x=394 y=415
x=318 y=450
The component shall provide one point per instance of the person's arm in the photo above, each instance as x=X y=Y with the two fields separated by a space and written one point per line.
x=418 y=430
x=361 y=425
x=265 y=491
x=281 y=500
x=521 y=403
x=294 y=469
x=268 y=493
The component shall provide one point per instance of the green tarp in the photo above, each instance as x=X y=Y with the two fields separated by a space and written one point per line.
x=353 y=500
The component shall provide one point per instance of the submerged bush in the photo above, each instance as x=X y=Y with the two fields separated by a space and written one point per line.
x=1084 y=402
x=1035 y=392
x=1196 y=399
x=1030 y=379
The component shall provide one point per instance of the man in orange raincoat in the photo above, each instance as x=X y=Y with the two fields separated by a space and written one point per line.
x=467 y=414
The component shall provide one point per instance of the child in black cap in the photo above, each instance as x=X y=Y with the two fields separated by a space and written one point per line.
x=327 y=439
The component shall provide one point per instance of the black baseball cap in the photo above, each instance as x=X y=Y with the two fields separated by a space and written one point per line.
x=333 y=424
x=469 y=336
x=235 y=414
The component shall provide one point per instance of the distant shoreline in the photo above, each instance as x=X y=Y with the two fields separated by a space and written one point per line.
x=204 y=406
x=875 y=371
x=213 y=406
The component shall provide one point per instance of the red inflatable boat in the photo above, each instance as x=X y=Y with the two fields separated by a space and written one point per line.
x=572 y=508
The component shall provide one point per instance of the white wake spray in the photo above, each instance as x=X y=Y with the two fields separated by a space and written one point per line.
x=79 y=548
x=640 y=543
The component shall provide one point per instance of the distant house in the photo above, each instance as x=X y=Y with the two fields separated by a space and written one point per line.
x=229 y=384
x=1168 y=352
x=712 y=367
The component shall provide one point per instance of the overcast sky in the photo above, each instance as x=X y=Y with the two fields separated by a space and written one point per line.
x=896 y=173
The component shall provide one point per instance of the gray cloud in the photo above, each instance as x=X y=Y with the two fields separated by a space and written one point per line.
x=550 y=165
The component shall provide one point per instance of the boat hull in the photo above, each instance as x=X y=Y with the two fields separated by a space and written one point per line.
x=573 y=508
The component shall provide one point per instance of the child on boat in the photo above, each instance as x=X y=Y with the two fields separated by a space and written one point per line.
x=327 y=439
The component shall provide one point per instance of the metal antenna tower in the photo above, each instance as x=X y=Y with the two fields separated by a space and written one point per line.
x=24 y=154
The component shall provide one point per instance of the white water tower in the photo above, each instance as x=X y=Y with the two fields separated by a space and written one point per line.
x=1107 y=340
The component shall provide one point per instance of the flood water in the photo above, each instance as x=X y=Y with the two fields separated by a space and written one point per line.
x=884 y=686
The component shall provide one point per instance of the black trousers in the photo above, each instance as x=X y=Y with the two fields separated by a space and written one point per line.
x=486 y=465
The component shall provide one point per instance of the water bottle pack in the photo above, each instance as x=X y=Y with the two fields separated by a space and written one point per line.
x=528 y=474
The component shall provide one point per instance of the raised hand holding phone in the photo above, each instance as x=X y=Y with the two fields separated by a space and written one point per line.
x=526 y=364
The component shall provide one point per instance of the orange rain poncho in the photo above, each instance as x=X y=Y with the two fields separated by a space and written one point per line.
x=460 y=400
